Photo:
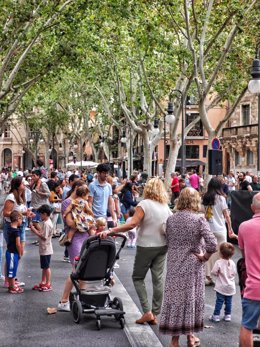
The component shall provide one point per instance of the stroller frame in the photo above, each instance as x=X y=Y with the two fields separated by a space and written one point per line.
x=95 y=264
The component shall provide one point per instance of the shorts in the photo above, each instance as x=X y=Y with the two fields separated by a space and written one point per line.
x=250 y=313
x=45 y=261
x=22 y=229
x=124 y=210
x=12 y=260
x=37 y=217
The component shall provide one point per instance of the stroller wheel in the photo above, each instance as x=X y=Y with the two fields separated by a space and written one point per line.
x=71 y=299
x=77 y=311
x=117 y=305
x=98 y=324
x=122 y=322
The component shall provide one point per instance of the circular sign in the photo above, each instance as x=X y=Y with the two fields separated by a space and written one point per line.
x=215 y=143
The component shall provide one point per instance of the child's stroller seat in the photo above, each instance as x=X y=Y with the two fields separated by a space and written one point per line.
x=92 y=278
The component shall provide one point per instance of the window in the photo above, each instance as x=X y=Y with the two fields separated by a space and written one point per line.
x=205 y=151
x=245 y=110
x=237 y=158
x=192 y=152
x=7 y=131
x=197 y=129
x=249 y=157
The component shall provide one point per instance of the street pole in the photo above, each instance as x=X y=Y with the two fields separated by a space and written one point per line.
x=130 y=156
x=254 y=88
x=81 y=153
x=164 y=142
x=183 y=145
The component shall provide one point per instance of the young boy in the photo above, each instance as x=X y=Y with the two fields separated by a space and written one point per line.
x=44 y=231
x=14 y=251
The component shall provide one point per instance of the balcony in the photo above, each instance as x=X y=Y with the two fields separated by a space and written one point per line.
x=6 y=140
x=240 y=131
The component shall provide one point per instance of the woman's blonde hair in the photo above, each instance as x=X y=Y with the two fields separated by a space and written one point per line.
x=155 y=190
x=189 y=199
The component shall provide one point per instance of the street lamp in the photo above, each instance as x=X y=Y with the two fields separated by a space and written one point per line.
x=170 y=113
x=254 y=88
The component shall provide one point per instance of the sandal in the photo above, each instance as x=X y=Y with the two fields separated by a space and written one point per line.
x=38 y=286
x=15 y=290
x=193 y=341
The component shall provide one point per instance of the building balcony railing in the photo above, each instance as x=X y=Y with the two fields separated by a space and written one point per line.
x=242 y=130
x=6 y=140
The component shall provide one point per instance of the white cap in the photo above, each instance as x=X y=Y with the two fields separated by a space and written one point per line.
x=20 y=173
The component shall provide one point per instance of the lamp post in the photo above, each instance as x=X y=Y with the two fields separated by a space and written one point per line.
x=254 y=88
x=170 y=113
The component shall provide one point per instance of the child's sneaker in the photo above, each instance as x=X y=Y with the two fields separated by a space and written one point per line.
x=64 y=306
x=19 y=283
x=227 y=318
x=214 y=318
x=45 y=288
x=15 y=290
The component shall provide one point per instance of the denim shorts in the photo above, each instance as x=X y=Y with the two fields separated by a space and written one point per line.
x=250 y=313
x=45 y=261
x=124 y=210
x=37 y=217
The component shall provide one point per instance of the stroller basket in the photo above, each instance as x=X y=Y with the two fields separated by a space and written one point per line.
x=92 y=278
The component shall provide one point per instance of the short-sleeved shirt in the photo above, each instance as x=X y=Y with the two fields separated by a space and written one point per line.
x=194 y=181
x=217 y=222
x=225 y=270
x=13 y=233
x=151 y=230
x=20 y=208
x=244 y=185
x=45 y=246
x=39 y=200
x=175 y=182
x=100 y=194
x=249 y=241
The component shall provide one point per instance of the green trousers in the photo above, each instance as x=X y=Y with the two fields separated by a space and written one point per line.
x=149 y=258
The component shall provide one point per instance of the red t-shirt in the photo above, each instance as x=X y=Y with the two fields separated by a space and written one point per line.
x=177 y=187
x=249 y=241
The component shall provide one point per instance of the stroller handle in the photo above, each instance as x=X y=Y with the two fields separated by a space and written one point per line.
x=97 y=237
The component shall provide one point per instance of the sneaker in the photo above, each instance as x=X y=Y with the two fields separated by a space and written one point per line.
x=2 y=277
x=15 y=290
x=66 y=259
x=64 y=306
x=116 y=266
x=214 y=318
x=227 y=318
x=45 y=288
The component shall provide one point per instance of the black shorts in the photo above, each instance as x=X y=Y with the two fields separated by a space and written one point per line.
x=45 y=261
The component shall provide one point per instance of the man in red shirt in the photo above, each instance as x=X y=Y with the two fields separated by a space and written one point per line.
x=175 y=187
x=248 y=241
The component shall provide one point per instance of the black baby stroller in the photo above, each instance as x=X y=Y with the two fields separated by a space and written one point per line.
x=93 y=275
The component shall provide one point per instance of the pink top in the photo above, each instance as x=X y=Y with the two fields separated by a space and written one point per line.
x=225 y=271
x=249 y=241
x=194 y=181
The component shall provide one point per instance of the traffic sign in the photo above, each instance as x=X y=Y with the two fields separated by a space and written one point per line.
x=215 y=144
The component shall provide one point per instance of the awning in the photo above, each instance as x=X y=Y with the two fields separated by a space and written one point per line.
x=190 y=162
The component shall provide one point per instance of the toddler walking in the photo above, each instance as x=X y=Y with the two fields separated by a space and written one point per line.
x=225 y=287
x=132 y=232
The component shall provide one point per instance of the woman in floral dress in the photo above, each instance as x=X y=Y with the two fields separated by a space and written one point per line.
x=190 y=245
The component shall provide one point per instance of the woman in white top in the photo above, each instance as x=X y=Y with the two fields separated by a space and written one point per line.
x=150 y=218
x=217 y=215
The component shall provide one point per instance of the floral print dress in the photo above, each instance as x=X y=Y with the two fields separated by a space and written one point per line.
x=183 y=307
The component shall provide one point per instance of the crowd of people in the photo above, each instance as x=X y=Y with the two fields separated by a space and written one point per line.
x=185 y=230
